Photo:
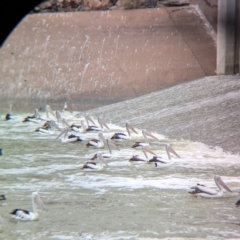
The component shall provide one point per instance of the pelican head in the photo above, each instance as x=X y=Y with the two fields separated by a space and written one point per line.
x=102 y=138
x=101 y=159
x=219 y=182
x=130 y=127
x=169 y=150
x=38 y=200
x=146 y=134
x=146 y=149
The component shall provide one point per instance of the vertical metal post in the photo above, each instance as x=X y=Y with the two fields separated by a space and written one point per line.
x=227 y=37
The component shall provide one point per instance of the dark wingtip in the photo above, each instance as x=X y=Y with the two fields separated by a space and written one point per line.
x=237 y=203
x=3 y=197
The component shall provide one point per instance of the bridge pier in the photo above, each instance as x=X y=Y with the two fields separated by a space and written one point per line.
x=228 y=37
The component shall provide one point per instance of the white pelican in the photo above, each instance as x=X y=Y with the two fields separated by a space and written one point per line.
x=68 y=139
x=100 y=142
x=106 y=155
x=124 y=136
x=145 y=134
x=158 y=160
x=94 y=127
x=34 y=118
x=205 y=192
x=26 y=215
x=76 y=127
x=48 y=127
x=94 y=165
x=137 y=158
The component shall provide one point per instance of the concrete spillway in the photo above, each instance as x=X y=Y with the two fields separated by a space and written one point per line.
x=90 y=59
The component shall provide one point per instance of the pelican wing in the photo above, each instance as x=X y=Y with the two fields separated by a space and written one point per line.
x=203 y=189
x=22 y=214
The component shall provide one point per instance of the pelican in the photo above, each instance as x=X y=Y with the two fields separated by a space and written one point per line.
x=94 y=127
x=48 y=127
x=145 y=133
x=26 y=215
x=34 y=118
x=124 y=136
x=68 y=139
x=94 y=165
x=137 y=158
x=76 y=127
x=158 y=160
x=100 y=142
x=205 y=192
x=106 y=155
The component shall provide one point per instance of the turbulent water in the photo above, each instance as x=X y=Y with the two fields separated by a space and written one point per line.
x=122 y=201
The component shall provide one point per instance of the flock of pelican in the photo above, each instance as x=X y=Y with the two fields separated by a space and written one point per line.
x=69 y=133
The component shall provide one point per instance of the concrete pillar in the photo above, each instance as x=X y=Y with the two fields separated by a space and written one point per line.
x=237 y=57
x=227 y=37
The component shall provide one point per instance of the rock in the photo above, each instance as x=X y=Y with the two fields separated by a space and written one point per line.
x=89 y=5
x=45 y=5
x=132 y=4
x=176 y=3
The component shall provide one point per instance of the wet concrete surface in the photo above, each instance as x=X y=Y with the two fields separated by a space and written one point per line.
x=91 y=59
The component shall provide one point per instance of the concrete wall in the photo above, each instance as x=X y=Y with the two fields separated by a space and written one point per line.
x=90 y=59
x=210 y=10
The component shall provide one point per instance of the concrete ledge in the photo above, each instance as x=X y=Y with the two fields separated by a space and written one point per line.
x=91 y=58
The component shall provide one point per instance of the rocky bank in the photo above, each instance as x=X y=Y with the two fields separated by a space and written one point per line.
x=89 y=5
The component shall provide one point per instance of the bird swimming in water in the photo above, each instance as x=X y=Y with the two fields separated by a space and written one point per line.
x=25 y=215
x=106 y=155
x=145 y=134
x=205 y=192
x=100 y=142
x=68 y=139
x=125 y=136
x=34 y=118
x=94 y=165
x=158 y=160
